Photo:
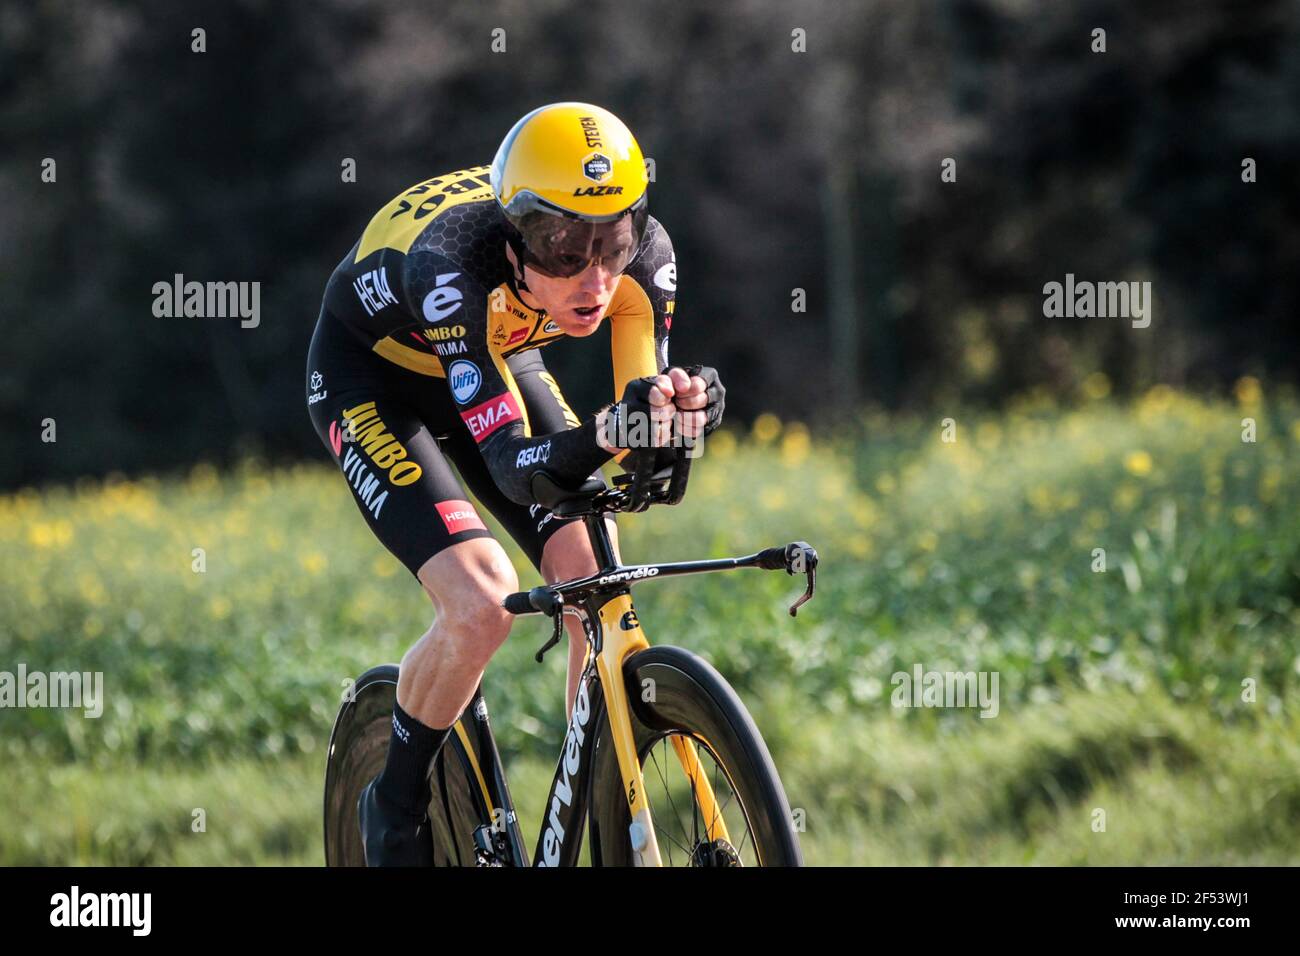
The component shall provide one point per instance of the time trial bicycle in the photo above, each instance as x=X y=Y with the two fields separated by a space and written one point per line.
x=660 y=758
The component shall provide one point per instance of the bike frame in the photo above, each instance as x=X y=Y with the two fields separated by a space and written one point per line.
x=613 y=634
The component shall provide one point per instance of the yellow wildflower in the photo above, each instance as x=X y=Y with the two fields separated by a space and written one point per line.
x=1096 y=386
x=721 y=443
x=1248 y=390
x=1138 y=463
x=766 y=427
x=795 y=444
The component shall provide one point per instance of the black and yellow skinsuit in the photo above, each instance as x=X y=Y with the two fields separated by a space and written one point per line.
x=424 y=352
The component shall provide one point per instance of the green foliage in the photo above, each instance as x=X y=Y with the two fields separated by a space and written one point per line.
x=1120 y=689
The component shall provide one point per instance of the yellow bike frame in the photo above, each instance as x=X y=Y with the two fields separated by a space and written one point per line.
x=622 y=636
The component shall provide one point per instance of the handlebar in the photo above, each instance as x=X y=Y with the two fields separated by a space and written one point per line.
x=539 y=600
x=797 y=557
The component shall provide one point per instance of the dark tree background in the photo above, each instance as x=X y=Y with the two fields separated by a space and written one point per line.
x=775 y=171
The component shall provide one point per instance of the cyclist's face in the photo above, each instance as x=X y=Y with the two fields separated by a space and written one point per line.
x=578 y=303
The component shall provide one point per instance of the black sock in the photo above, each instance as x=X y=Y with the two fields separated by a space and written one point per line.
x=405 y=779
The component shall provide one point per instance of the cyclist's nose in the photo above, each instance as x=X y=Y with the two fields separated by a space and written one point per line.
x=596 y=278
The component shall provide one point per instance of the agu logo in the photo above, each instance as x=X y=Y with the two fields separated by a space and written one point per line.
x=459 y=516
x=314 y=386
x=465 y=379
x=531 y=456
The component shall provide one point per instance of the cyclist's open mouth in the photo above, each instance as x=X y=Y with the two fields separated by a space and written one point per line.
x=589 y=314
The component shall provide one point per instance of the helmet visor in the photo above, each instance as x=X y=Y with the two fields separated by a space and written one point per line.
x=562 y=247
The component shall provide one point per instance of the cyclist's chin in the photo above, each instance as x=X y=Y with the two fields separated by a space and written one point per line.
x=579 y=322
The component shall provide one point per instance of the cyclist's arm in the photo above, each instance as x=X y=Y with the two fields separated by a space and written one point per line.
x=513 y=456
x=641 y=313
x=485 y=393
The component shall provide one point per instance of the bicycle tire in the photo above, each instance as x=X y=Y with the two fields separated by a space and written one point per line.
x=691 y=699
x=357 y=751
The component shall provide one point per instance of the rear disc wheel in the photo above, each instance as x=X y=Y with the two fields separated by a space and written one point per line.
x=357 y=753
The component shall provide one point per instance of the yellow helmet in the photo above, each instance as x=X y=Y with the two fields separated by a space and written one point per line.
x=571 y=180
x=569 y=159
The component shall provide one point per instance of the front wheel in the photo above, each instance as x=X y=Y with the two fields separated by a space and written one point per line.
x=678 y=698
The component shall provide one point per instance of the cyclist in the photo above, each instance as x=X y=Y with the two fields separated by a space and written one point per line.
x=427 y=351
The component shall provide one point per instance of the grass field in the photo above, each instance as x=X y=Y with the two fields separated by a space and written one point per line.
x=1158 y=694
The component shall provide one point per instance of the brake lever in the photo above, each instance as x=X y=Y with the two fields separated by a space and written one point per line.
x=807 y=595
x=801 y=556
x=556 y=611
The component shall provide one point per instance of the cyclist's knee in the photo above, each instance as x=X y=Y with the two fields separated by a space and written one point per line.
x=467 y=584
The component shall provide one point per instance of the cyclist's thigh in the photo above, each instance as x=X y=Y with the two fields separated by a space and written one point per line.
x=400 y=480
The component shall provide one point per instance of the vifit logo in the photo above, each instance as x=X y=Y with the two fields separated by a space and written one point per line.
x=459 y=516
x=465 y=379
x=562 y=791
x=486 y=418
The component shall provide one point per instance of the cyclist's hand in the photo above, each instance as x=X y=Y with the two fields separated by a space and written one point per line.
x=707 y=392
x=644 y=416
x=689 y=395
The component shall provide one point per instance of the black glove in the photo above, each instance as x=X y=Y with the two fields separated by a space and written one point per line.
x=630 y=420
x=715 y=394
